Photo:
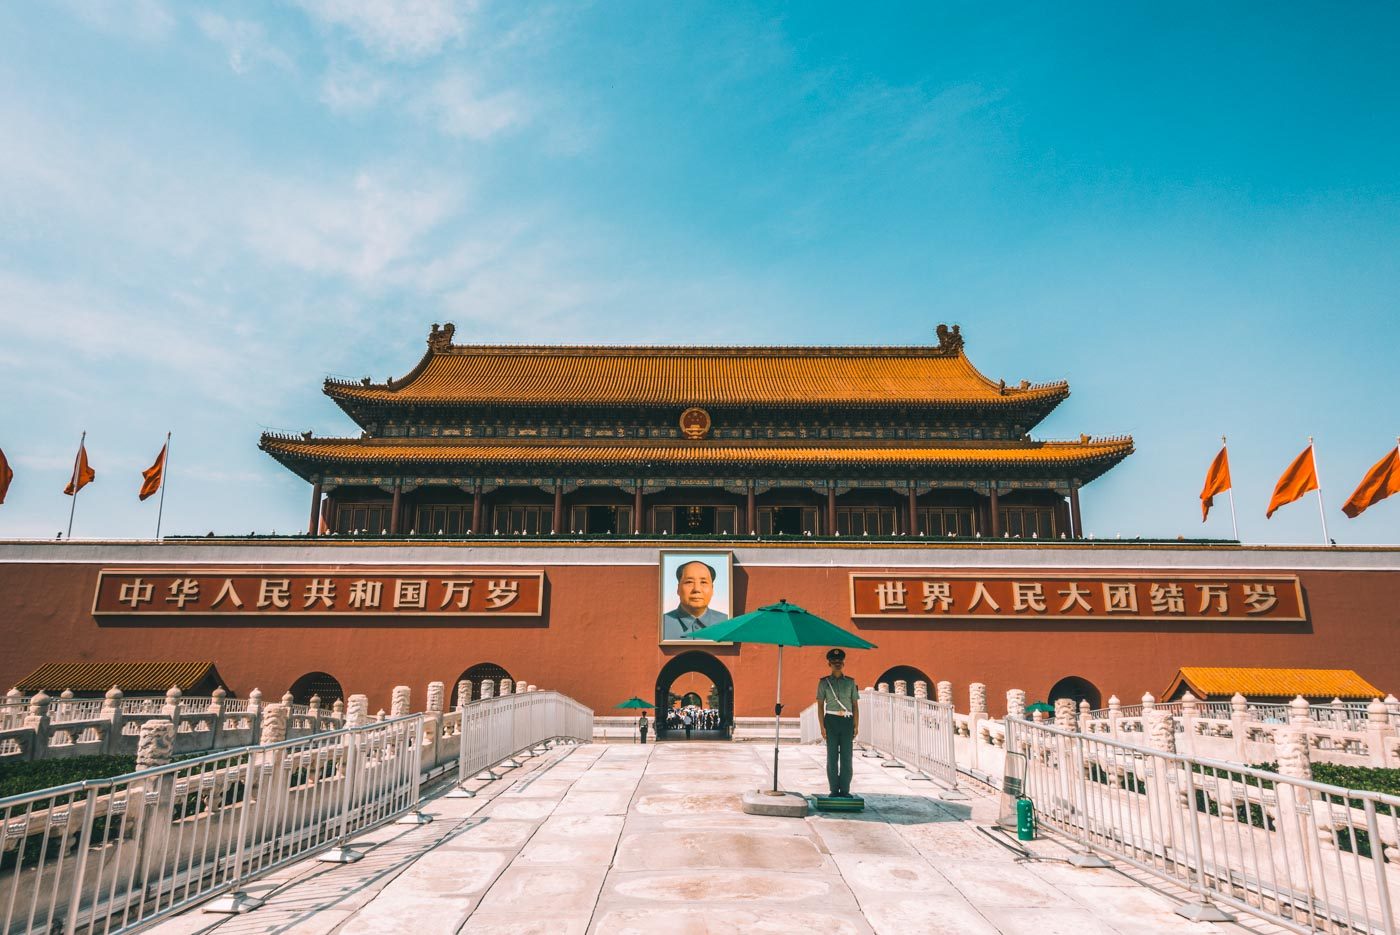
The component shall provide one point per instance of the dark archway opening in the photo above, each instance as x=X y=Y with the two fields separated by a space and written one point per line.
x=1076 y=689
x=909 y=675
x=321 y=684
x=482 y=671
x=720 y=695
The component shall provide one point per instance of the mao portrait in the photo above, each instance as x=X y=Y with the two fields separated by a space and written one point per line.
x=695 y=592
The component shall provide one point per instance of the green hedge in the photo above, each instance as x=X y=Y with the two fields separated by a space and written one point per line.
x=18 y=778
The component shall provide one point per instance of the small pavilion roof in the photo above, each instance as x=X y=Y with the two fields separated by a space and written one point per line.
x=1212 y=682
x=130 y=677
x=1089 y=457
x=527 y=375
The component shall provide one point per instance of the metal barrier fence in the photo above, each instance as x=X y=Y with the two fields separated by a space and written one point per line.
x=497 y=729
x=915 y=731
x=110 y=855
x=1308 y=856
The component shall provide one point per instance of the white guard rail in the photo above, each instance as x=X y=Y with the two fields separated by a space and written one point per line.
x=917 y=732
x=1308 y=856
x=494 y=730
x=113 y=855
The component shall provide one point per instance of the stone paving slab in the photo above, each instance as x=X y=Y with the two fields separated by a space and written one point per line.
x=612 y=839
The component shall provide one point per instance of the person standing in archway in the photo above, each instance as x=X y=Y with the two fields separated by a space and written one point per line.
x=643 y=725
x=838 y=713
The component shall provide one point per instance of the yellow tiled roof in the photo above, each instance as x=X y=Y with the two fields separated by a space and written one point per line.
x=529 y=452
x=54 y=677
x=696 y=376
x=1216 y=682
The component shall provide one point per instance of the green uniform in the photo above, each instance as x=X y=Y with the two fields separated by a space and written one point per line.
x=839 y=697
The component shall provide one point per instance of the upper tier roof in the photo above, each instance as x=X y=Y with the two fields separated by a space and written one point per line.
x=929 y=376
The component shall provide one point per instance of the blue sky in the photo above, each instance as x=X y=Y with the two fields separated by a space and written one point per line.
x=1188 y=211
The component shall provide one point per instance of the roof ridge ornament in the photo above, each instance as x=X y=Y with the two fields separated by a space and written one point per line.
x=440 y=339
x=950 y=340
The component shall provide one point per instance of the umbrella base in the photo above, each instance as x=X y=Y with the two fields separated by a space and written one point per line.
x=782 y=805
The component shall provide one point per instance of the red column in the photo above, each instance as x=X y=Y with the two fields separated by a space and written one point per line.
x=394 y=509
x=558 y=507
x=314 y=528
x=476 y=509
x=751 y=512
x=831 y=511
x=638 y=521
x=995 y=524
x=913 y=529
x=1075 y=519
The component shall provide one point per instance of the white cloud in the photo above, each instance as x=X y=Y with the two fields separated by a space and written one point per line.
x=459 y=108
x=396 y=30
x=349 y=87
x=246 y=42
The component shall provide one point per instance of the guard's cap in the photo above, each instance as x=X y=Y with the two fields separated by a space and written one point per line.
x=836 y=655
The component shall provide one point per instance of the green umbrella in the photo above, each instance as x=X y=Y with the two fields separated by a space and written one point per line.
x=781 y=624
x=635 y=702
x=1035 y=706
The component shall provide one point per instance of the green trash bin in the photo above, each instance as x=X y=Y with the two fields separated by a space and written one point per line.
x=1025 y=819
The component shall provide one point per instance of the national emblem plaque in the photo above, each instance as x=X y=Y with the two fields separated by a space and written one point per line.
x=695 y=423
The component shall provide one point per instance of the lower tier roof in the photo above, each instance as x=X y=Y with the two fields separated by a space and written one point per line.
x=1083 y=460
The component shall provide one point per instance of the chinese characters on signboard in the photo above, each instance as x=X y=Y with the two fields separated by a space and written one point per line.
x=308 y=592
x=1276 y=599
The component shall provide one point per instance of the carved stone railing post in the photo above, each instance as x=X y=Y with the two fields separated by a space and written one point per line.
x=112 y=713
x=401 y=701
x=1064 y=713
x=1188 y=723
x=944 y=692
x=155 y=745
x=1393 y=704
x=217 y=701
x=274 y=724
x=464 y=692
x=532 y=688
x=881 y=687
x=171 y=710
x=255 y=706
x=1239 y=724
x=357 y=711
x=506 y=686
x=37 y=723
x=1015 y=704
x=901 y=687
x=313 y=713
x=65 y=705
x=976 y=714
x=1159 y=732
x=488 y=690
x=288 y=699
x=432 y=723
x=920 y=688
x=1379 y=734
x=1295 y=802
x=520 y=686
x=1085 y=718
x=1115 y=713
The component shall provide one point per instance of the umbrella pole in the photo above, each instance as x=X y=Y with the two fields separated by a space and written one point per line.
x=777 y=722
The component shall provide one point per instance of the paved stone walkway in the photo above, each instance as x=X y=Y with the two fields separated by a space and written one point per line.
x=628 y=839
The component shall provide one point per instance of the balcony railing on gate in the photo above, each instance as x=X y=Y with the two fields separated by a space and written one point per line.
x=1309 y=856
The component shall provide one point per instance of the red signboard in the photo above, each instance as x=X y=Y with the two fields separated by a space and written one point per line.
x=898 y=596
x=307 y=592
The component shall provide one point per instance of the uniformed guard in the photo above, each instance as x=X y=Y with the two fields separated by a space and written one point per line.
x=839 y=715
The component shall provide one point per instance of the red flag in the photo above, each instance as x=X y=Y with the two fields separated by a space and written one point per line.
x=153 y=475
x=1380 y=482
x=1217 y=482
x=1300 y=478
x=6 y=475
x=83 y=474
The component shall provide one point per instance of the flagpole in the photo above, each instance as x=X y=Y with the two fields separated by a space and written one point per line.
x=73 y=481
x=164 y=479
x=1234 y=523
x=1321 y=511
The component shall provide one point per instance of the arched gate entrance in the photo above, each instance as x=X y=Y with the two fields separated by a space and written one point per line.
x=716 y=672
